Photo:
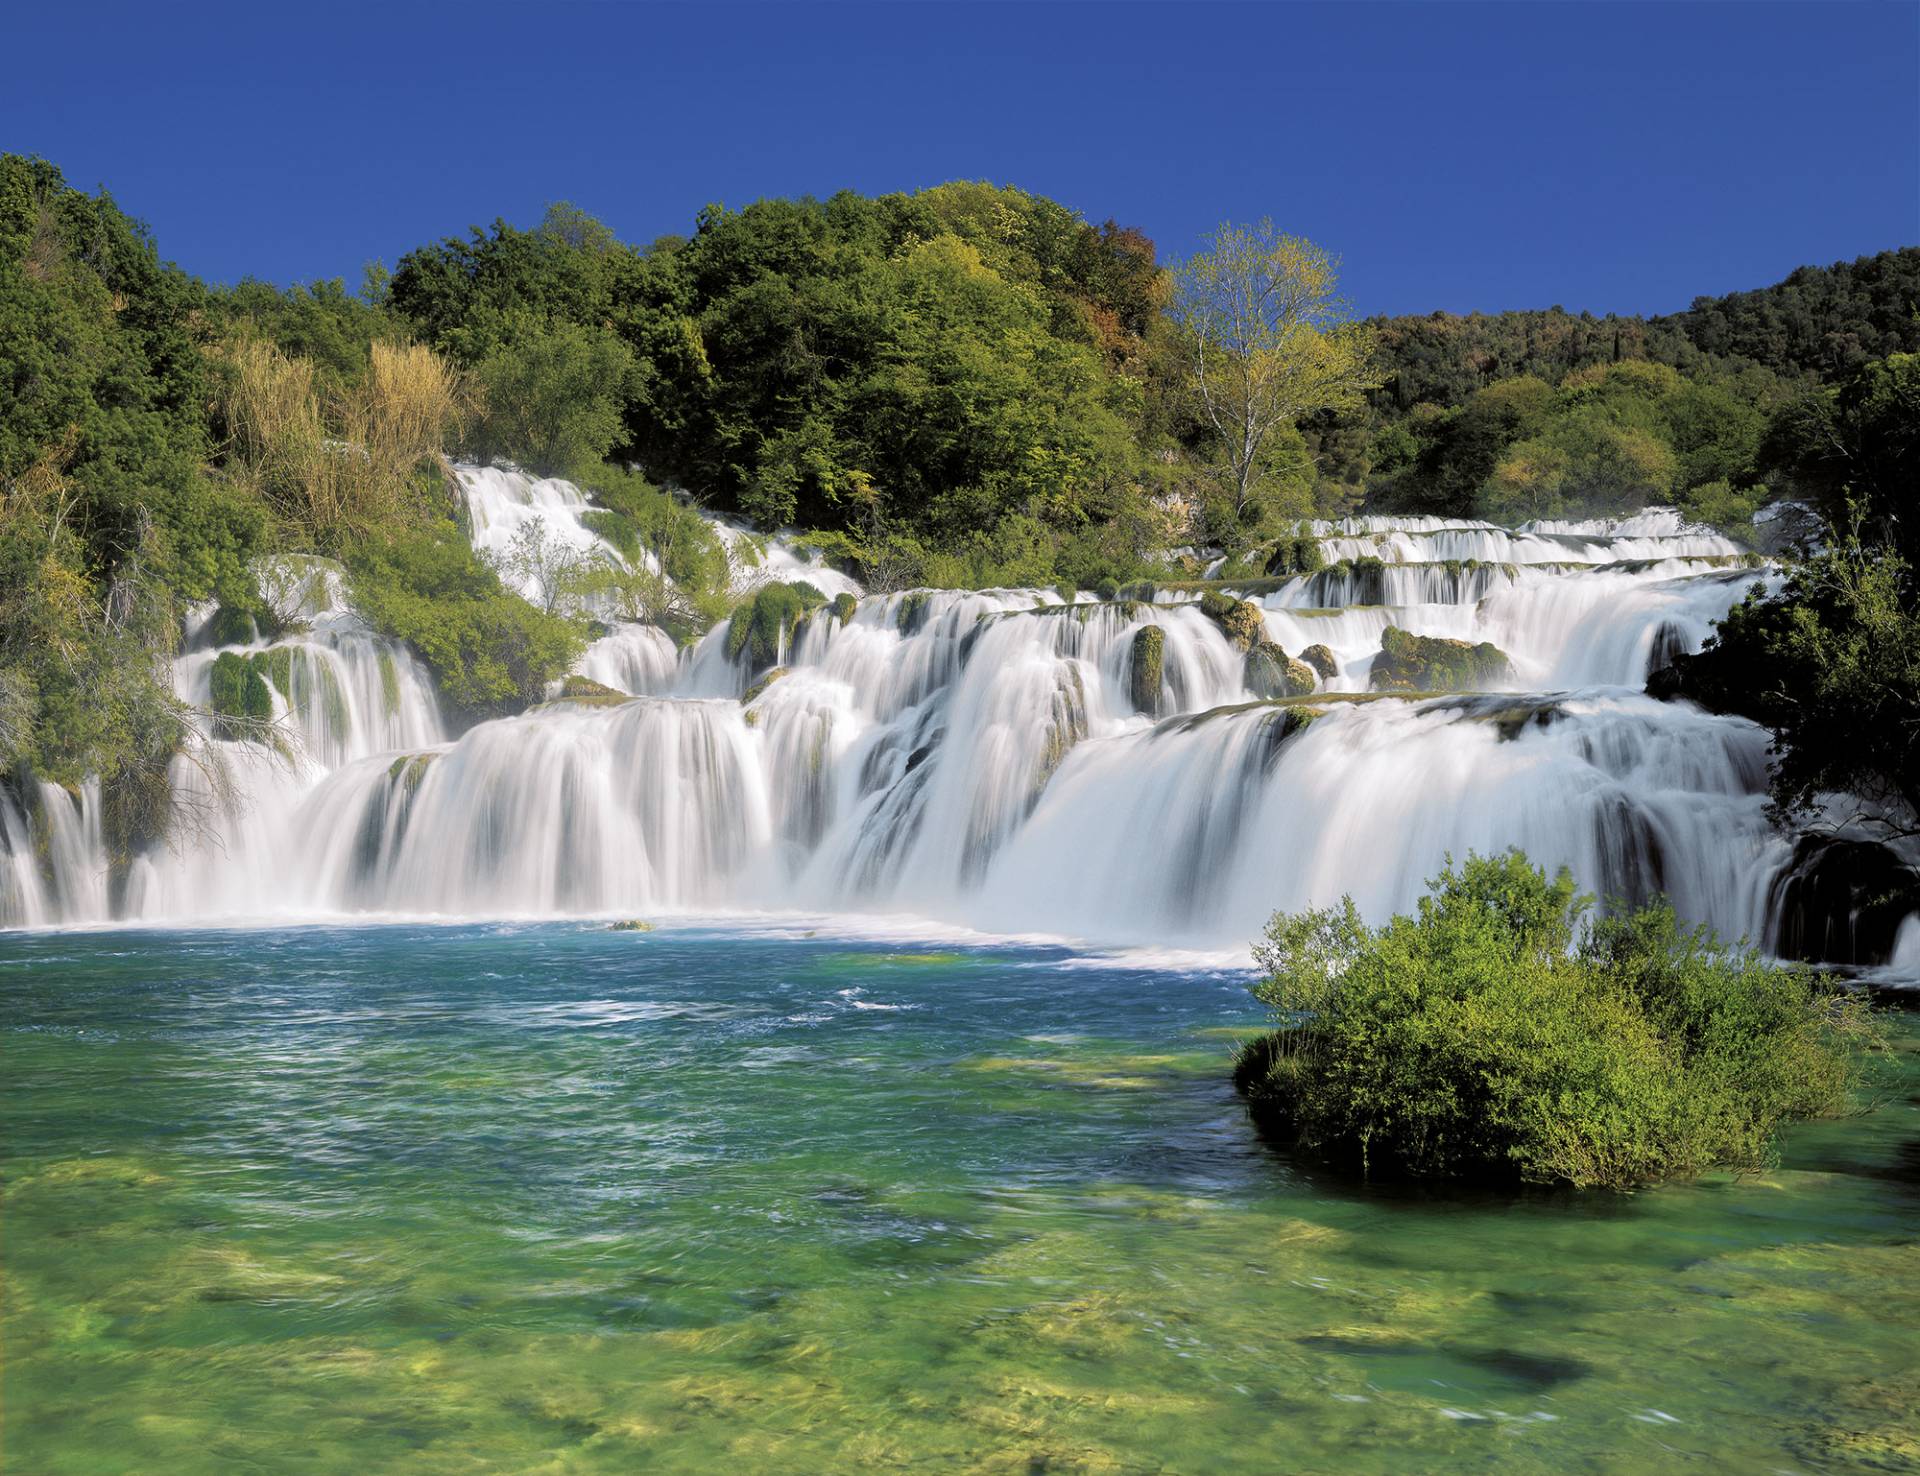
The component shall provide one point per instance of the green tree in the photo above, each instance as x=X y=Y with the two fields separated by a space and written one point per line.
x=1830 y=666
x=1268 y=342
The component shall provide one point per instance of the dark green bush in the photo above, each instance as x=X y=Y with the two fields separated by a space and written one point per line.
x=1475 y=1040
x=1296 y=555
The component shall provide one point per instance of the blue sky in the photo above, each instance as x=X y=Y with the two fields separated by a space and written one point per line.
x=1612 y=157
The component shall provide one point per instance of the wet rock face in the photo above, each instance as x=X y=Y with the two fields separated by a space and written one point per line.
x=1270 y=672
x=1841 y=901
x=1321 y=660
x=1145 y=668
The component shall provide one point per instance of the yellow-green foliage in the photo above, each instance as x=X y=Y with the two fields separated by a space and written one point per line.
x=331 y=467
x=1475 y=1040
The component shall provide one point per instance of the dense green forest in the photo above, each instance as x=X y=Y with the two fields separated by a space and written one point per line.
x=968 y=385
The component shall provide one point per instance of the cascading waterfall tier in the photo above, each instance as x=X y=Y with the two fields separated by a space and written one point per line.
x=992 y=759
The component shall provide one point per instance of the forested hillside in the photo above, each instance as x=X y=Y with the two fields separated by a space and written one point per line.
x=964 y=386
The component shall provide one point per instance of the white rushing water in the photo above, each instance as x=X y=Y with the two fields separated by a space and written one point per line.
x=977 y=758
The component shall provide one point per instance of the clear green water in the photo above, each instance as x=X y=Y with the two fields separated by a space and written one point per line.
x=552 y=1199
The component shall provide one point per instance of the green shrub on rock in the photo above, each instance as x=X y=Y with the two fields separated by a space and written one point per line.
x=1146 y=667
x=1297 y=555
x=1413 y=663
x=762 y=624
x=1475 y=1040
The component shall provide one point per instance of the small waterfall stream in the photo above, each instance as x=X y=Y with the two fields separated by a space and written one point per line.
x=977 y=758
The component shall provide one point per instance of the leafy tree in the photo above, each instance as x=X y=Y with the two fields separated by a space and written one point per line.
x=1582 y=463
x=1831 y=666
x=1858 y=441
x=552 y=395
x=1267 y=343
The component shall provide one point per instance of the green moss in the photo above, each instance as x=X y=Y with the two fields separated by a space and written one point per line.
x=276 y=665
x=409 y=769
x=1270 y=672
x=232 y=627
x=238 y=695
x=1411 y=663
x=844 y=604
x=1241 y=620
x=911 y=613
x=1145 y=668
x=762 y=624
x=760 y=686
x=389 y=681
x=1295 y=556
x=1321 y=660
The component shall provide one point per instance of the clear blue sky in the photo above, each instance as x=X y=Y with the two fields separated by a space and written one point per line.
x=1612 y=156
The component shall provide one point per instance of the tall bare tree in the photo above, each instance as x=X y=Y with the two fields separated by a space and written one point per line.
x=1268 y=342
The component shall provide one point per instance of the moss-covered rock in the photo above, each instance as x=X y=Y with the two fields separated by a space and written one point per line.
x=1414 y=663
x=910 y=615
x=1241 y=620
x=762 y=624
x=586 y=692
x=753 y=692
x=232 y=627
x=1146 y=667
x=1295 y=556
x=1321 y=660
x=1271 y=673
x=844 y=604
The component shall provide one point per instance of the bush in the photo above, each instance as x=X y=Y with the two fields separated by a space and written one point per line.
x=763 y=622
x=552 y=395
x=492 y=651
x=1475 y=1041
x=239 y=695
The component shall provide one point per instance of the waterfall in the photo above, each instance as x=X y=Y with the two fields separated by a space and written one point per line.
x=985 y=758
